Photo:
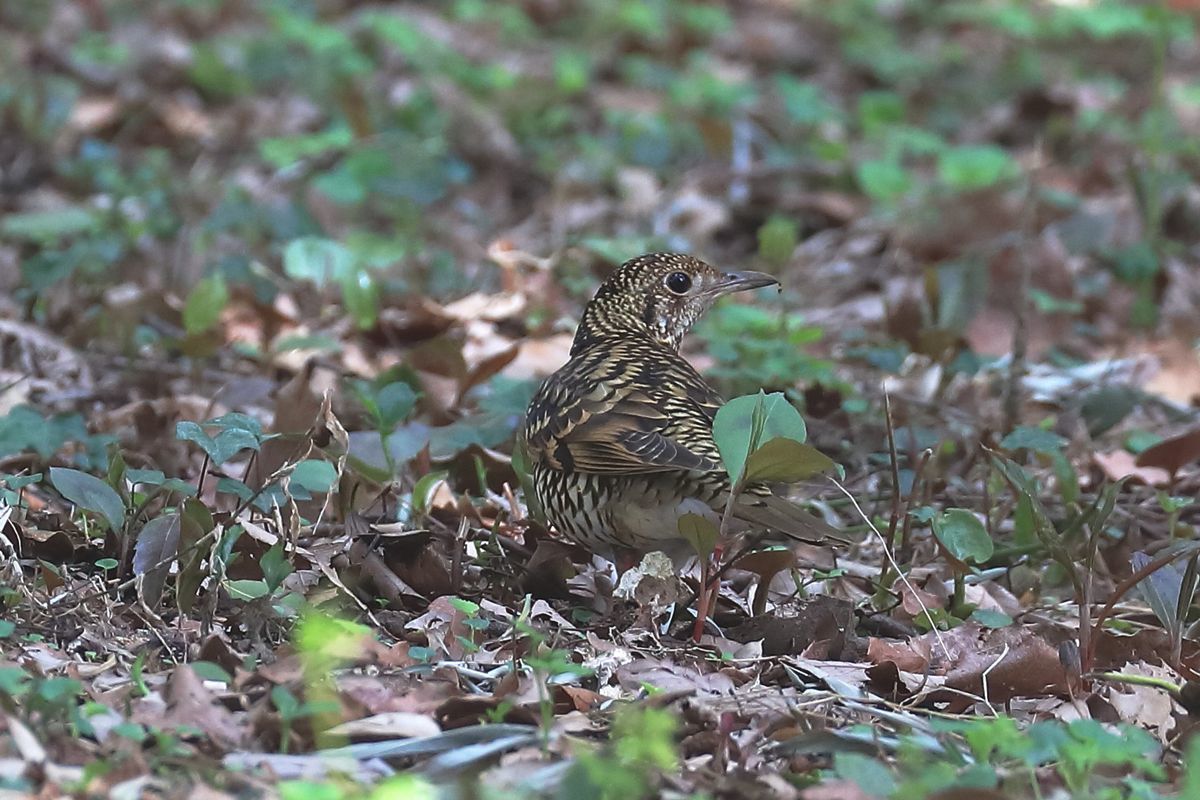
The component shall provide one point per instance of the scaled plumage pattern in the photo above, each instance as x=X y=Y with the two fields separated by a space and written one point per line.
x=620 y=438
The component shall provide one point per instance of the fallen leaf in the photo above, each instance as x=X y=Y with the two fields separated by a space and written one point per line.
x=1118 y=464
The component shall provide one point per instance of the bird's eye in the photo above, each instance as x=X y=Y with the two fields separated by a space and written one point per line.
x=679 y=282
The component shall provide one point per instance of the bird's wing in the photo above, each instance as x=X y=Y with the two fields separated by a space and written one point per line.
x=620 y=417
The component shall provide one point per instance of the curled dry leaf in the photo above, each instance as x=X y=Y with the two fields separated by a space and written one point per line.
x=1171 y=454
x=388 y=725
x=1149 y=707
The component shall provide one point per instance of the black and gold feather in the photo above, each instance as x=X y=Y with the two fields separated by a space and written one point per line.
x=620 y=438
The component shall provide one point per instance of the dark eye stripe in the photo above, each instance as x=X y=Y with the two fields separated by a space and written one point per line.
x=679 y=282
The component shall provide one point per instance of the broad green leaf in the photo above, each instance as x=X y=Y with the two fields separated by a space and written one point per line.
x=468 y=607
x=90 y=493
x=247 y=590
x=394 y=402
x=275 y=566
x=205 y=303
x=991 y=619
x=18 y=482
x=189 y=431
x=210 y=671
x=734 y=426
x=220 y=448
x=195 y=522
x=788 y=461
x=238 y=421
x=963 y=535
x=157 y=546
x=422 y=494
x=1024 y=524
x=285 y=151
x=524 y=471
x=974 y=166
x=158 y=542
x=701 y=532
x=315 y=475
x=145 y=477
x=805 y=102
x=1160 y=588
x=777 y=240
x=48 y=226
x=1038 y=440
x=870 y=775
x=24 y=428
x=321 y=261
x=360 y=295
x=883 y=179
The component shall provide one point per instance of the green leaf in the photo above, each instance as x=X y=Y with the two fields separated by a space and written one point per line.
x=468 y=607
x=196 y=522
x=1038 y=440
x=91 y=494
x=48 y=226
x=394 y=402
x=275 y=566
x=883 y=179
x=422 y=493
x=205 y=303
x=804 y=101
x=870 y=775
x=1104 y=407
x=285 y=702
x=227 y=485
x=777 y=240
x=209 y=671
x=315 y=475
x=734 y=427
x=321 y=261
x=788 y=461
x=360 y=295
x=974 y=166
x=991 y=619
x=225 y=445
x=247 y=589
x=145 y=477
x=157 y=546
x=961 y=533
x=24 y=428
x=1024 y=523
x=701 y=532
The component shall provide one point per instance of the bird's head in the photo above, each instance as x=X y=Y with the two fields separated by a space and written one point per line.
x=659 y=295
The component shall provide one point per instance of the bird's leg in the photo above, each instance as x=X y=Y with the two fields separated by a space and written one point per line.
x=710 y=585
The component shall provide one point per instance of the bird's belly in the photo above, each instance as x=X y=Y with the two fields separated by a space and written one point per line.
x=603 y=512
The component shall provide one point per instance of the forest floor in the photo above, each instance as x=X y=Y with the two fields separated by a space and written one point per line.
x=277 y=281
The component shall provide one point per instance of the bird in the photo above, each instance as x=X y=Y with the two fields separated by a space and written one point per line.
x=619 y=439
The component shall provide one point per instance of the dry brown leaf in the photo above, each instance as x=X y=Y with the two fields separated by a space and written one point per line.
x=537 y=358
x=1119 y=464
x=911 y=656
x=1171 y=454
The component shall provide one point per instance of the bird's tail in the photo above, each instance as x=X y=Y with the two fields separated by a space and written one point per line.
x=783 y=516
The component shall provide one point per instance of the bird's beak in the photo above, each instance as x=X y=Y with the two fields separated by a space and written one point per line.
x=741 y=282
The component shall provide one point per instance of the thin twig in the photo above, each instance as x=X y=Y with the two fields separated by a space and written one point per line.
x=1020 y=346
x=903 y=578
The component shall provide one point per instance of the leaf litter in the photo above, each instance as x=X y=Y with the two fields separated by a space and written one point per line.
x=273 y=530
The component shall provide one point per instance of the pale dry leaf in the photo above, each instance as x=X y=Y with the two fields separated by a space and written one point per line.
x=389 y=725
x=1147 y=707
x=1119 y=464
